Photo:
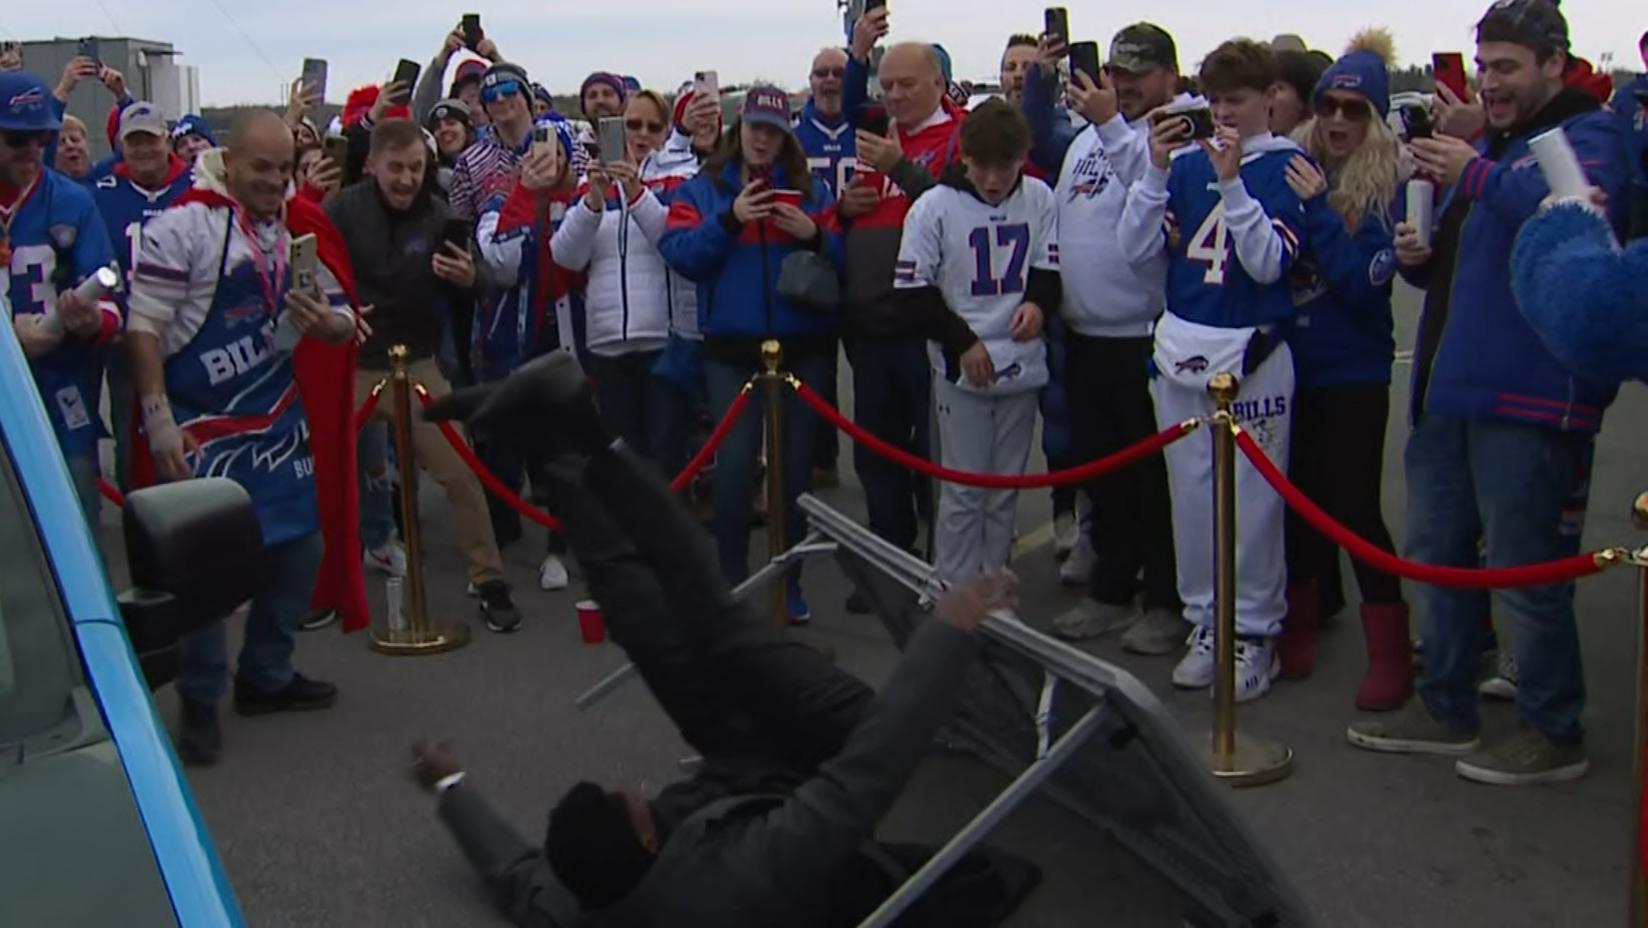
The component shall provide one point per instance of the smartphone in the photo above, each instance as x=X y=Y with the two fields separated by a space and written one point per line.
x=541 y=135
x=1199 y=119
x=871 y=6
x=1417 y=121
x=706 y=83
x=792 y=197
x=457 y=232
x=1084 y=59
x=472 y=34
x=89 y=49
x=314 y=77
x=609 y=138
x=1056 y=22
x=1448 y=68
x=336 y=150
x=407 y=73
x=874 y=121
x=301 y=257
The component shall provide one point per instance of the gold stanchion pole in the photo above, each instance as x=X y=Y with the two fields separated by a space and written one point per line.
x=1639 y=728
x=772 y=354
x=419 y=635
x=1240 y=760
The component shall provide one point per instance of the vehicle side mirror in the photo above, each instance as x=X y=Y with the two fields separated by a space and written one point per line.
x=194 y=550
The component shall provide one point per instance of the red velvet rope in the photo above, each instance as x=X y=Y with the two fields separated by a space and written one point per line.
x=513 y=500
x=1498 y=578
x=111 y=494
x=364 y=413
x=1074 y=475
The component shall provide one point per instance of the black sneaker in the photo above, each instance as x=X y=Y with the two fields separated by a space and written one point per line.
x=497 y=609
x=200 y=740
x=319 y=618
x=300 y=695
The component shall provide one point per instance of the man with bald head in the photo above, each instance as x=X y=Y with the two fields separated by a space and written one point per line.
x=898 y=161
x=215 y=315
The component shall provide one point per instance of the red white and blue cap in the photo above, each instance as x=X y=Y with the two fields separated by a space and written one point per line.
x=25 y=104
x=767 y=105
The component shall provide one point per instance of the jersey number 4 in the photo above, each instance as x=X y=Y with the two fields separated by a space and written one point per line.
x=1015 y=237
x=1211 y=246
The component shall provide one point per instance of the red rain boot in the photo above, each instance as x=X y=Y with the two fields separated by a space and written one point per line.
x=1300 y=630
x=1389 y=680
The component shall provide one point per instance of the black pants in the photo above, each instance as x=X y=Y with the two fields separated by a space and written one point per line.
x=892 y=400
x=1338 y=456
x=508 y=460
x=630 y=399
x=735 y=685
x=1110 y=409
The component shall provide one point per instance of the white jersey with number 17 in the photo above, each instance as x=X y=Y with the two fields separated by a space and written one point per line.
x=979 y=257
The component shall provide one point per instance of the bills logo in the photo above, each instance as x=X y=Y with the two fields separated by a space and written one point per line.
x=1195 y=364
x=1091 y=176
x=34 y=96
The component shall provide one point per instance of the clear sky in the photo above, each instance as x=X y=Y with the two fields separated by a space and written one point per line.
x=663 y=42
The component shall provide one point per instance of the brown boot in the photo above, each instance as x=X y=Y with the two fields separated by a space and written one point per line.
x=1389 y=680
x=1300 y=630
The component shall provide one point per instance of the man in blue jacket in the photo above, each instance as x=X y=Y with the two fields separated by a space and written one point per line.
x=1502 y=432
x=1630 y=106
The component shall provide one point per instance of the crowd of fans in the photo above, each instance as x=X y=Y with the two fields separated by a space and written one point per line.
x=1085 y=250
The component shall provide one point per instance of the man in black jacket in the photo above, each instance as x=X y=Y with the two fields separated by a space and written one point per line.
x=412 y=271
x=801 y=759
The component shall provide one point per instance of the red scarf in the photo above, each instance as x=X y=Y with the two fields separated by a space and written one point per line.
x=325 y=377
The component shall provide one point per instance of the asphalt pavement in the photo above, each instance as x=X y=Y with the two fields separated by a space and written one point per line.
x=319 y=823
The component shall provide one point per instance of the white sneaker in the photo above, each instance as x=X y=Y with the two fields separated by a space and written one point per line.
x=1066 y=532
x=552 y=574
x=1257 y=663
x=1502 y=685
x=1078 y=567
x=388 y=558
x=1195 y=669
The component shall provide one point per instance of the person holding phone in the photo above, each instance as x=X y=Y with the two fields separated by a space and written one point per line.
x=413 y=276
x=466 y=83
x=1496 y=411
x=1228 y=292
x=727 y=232
x=611 y=237
x=1350 y=178
x=537 y=307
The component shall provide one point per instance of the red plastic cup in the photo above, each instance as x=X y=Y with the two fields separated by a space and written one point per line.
x=591 y=624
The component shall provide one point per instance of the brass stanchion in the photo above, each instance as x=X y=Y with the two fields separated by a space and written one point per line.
x=772 y=354
x=1639 y=728
x=1237 y=759
x=419 y=635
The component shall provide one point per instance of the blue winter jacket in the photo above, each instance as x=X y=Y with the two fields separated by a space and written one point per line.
x=1341 y=332
x=1477 y=356
x=736 y=265
x=1630 y=106
x=1582 y=295
x=1052 y=126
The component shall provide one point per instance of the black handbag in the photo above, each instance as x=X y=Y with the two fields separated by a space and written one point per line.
x=808 y=281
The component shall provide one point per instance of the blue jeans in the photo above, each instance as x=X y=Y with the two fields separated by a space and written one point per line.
x=377 y=484
x=1521 y=489
x=735 y=464
x=278 y=607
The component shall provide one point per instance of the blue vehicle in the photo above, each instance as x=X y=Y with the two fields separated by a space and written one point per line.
x=97 y=824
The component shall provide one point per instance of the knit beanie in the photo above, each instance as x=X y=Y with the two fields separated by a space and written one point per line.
x=1361 y=70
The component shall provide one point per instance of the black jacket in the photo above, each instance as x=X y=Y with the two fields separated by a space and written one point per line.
x=391 y=253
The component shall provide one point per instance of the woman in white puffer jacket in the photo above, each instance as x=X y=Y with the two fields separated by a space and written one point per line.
x=633 y=302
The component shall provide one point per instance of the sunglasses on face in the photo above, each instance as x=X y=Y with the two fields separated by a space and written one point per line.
x=495 y=93
x=822 y=73
x=1352 y=110
x=16 y=139
x=636 y=125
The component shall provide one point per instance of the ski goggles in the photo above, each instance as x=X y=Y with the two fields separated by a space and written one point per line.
x=500 y=90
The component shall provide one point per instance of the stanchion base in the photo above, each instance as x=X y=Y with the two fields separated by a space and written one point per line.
x=436 y=639
x=1256 y=762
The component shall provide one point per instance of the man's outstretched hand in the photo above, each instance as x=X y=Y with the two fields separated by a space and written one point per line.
x=966 y=605
x=432 y=763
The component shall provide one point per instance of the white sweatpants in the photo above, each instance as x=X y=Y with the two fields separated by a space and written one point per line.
x=984 y=434
x=1187 y=356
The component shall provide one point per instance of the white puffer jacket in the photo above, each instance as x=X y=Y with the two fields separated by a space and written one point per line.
x=632 y=300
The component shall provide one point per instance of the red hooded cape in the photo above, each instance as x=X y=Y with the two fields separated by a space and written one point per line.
x=325 y=377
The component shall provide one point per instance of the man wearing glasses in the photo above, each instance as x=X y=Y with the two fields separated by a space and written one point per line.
x=52 y=239
x=490 y=165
